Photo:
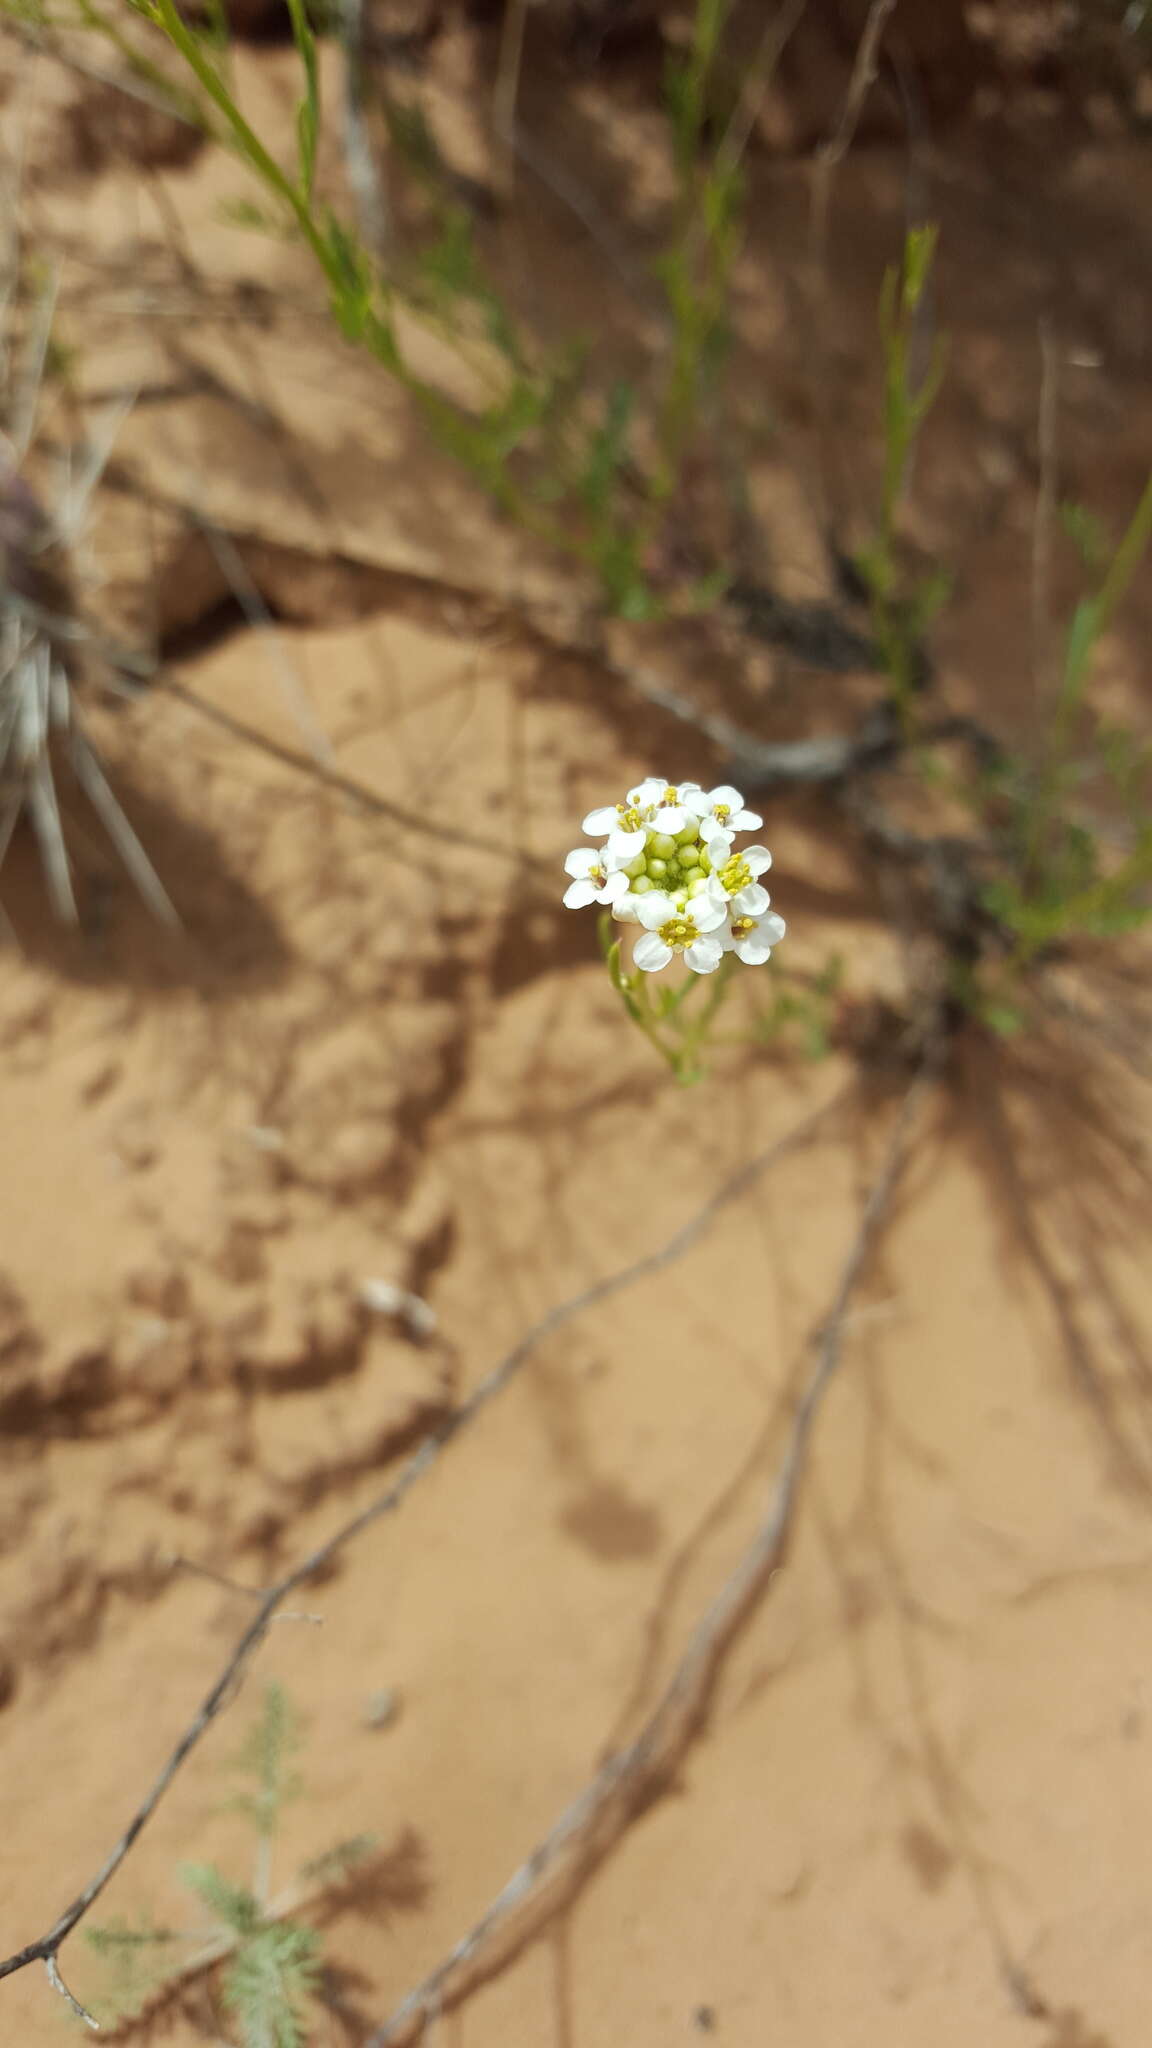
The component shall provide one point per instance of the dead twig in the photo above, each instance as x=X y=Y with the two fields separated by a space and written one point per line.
x=829 y=157
x=1043 y=520
x=360 y=161
x=45 y=1948
x=591 y=1826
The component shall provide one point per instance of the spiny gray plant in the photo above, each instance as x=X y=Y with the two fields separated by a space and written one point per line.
x=43 y=637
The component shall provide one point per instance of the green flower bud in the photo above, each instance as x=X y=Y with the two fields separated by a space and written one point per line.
x=637 y=867
x=705 y=860
x=662 y=845
x=657 y=868
x=690 y=856
x=698 y=887
x=688 y=836
x=641 y=885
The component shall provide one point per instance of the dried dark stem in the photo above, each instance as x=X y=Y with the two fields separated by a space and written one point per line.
x=360 y=163
x=829 y=157
x=590 y=1827
x=58 y=1984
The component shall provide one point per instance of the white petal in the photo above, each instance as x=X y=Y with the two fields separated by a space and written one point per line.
x=707 y=912
x=671 y=818
x=752 y=901
x=627 y=909
x=582 y=860
x=746 y=821
x=615 y=886
x=758 y=858
x=577 y=894
x=601 y=821
x=624 y=846
x=651 y=953
x=647 y=792
x=726 y=795
x=753 y=949
x=697 y=801
x=704 y=955
x=654 y=909
x=773 y=928
x=718 y=843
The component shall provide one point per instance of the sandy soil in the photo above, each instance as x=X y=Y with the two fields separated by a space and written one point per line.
x=921 y=1798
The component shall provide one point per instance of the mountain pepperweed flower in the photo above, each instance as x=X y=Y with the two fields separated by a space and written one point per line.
x=625 y=826
x=653 y=806
x=737 y=874
x=752 y=938
x=671 y=928
x=669 y=866
x=596 y=878
x=722 y=808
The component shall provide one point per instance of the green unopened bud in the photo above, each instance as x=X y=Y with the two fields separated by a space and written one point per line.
x=690 y=856
x=656 y=868
x=662 y=845
x=698 y=887
x=672 y=874
x=639 y=866
x=688 y=836
x=641 y=885
x=705 y=860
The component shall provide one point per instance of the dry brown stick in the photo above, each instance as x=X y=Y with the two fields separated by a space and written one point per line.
x=44 y=1949
x=591 y=1826
x=829 y=157
x=360 y=163
x=507 y=87
x=757 y=79
x=1043 y=519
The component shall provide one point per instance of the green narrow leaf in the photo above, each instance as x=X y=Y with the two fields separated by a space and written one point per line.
x=234 y=1904
x=619 y=979
x=1082 y=636
x=308 y=112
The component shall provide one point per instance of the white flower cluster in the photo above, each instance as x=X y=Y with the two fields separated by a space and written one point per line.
x=668 y=864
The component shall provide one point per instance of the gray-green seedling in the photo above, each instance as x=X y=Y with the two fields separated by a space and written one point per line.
x=263 y=1957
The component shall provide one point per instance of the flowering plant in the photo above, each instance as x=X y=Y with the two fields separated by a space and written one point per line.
x=668 y=864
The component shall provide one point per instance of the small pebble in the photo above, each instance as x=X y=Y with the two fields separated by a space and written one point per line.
x=381 y=1707
x=386 y=1299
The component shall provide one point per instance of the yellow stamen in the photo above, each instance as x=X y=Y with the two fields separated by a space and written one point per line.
x=735 y=875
